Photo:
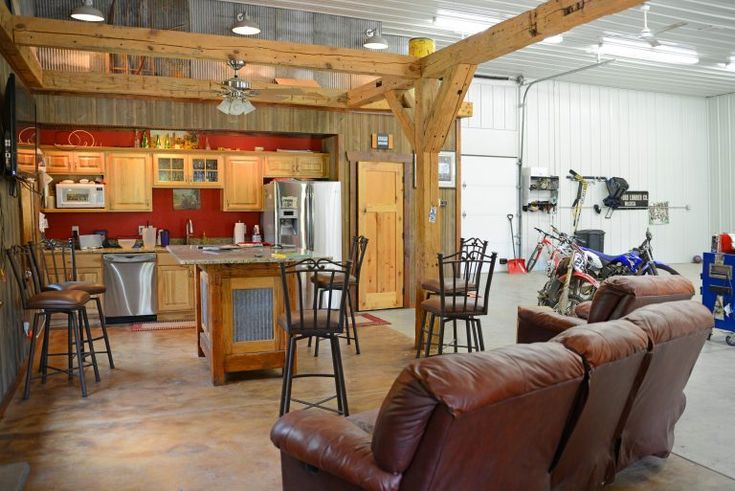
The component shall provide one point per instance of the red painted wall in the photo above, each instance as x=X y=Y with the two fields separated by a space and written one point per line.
x=210 y=219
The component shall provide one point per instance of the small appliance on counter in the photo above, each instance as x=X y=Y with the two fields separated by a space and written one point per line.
x=149 y=237
x=90 y=241
x=238 y=235
x=80 y=195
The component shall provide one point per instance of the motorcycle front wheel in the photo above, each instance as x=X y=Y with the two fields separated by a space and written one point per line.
x=579 y=291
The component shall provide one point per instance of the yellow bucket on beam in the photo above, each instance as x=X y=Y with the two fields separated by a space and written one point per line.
x=420 y=47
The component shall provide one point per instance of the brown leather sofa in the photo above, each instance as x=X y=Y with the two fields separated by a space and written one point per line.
x=538 y=416
x=616 y=297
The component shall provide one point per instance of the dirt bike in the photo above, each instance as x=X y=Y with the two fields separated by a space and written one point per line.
x=637 y=261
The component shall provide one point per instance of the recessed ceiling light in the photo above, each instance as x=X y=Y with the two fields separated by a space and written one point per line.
x=558 y=39
x=641 y=50
x=244 y=26
x=373 y=40
x=86 y=12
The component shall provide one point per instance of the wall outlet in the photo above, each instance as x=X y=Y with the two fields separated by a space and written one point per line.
x=140 y=229
x=26 y=327
x=75 y=228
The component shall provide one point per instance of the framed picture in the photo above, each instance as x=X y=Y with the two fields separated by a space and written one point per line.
x=187 y=199
x=447 y=171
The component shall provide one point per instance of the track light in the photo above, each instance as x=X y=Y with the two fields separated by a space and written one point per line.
x=373 y=40
x=244 y=26
x=87 y=13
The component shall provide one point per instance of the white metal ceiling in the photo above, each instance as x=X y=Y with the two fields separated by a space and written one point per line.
x=710 y=29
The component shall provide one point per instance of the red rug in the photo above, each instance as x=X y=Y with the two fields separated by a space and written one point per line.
x=368 y=320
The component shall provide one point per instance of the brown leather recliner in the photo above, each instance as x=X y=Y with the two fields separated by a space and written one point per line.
x=616 y=297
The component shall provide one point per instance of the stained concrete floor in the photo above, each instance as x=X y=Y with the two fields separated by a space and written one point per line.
x=156 y=422
x=705 y=433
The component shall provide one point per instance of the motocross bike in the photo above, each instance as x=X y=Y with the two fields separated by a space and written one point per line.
x=572 y=277
x=637 y=261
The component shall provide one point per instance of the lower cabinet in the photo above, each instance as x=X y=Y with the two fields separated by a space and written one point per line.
x=175 y=289
x=92 y=275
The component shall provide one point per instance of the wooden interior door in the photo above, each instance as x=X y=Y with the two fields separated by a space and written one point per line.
x=380 y=219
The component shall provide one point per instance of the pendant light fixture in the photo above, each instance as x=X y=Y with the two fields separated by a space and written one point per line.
x=244 y=26
x=87 y=13
x=373 y=40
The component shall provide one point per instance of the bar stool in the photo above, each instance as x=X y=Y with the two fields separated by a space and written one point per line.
x=61 y=275
x=72 y=303
x=466 y=283
x=306 y=318
x=357 y=255
x=449 y=306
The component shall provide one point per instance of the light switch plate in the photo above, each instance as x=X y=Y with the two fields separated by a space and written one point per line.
x=140 y=229
x=75 y=228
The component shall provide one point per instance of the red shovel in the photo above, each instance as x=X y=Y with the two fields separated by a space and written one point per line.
x=515 y=265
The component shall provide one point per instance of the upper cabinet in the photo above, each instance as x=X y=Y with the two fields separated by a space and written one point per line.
x=311 y=166
x=62 y=162
x=186 y=170
x=129 y=182
x=26 y=160
x=243 y=184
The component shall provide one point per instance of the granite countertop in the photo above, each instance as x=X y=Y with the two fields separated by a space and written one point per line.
x=192 y=254
x=120 y=250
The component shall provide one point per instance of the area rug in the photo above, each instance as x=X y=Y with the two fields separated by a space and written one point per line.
x=369 y=320
x=161 y=326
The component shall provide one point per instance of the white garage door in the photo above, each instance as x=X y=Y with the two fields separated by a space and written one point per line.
x=489 y=194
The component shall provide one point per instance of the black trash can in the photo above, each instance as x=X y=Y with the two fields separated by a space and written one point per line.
x=592 y=239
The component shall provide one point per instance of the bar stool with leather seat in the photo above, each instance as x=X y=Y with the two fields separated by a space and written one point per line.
x=57 y=275
x=305 y=318
x=466 y=282
x=357 y=255
x=449 y=306
x=71 y=303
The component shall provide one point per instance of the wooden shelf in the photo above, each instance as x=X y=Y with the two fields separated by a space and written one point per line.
x=74 y=210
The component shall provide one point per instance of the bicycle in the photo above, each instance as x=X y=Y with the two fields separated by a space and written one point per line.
x=543 y=243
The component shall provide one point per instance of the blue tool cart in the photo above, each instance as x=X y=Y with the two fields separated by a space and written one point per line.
x=717 y=291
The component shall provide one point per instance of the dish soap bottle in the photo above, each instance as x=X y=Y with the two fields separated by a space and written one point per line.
x=257 y=239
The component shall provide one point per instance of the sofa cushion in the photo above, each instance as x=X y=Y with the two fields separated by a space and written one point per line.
x=461 y=384
x=620 y=295
x=538 y=324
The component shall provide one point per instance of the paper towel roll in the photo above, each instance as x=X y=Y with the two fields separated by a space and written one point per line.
x=239 y=235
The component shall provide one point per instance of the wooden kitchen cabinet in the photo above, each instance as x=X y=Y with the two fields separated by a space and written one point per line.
x=189 y=171
x=243 y=184
x=58 y=162
x=92 y=275
x=129 y=182
x=26 y=160
x=296 y=165
x=175 y=288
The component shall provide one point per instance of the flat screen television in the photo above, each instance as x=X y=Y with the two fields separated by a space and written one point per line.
x=18 y=123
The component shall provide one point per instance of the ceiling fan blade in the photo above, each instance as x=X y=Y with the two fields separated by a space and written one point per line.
x=652 y=41
x=670 y=27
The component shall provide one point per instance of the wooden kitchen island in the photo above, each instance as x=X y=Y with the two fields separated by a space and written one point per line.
x=239 y=298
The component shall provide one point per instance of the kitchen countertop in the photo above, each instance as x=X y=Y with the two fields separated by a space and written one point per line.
x=120 y=250
x=191 y=254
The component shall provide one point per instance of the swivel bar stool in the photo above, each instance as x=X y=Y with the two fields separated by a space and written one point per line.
x=46 y=303
x=304 y=318
x=466 y=282
x=357 y=255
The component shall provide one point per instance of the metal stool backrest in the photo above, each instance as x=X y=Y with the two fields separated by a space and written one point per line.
x=472 y=261
x=305 y=314
x=467 y=246
x=357 y=254
x=20 y=259
x=61 y=265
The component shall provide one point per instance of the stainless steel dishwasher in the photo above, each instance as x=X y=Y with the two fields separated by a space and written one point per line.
x=131 y=287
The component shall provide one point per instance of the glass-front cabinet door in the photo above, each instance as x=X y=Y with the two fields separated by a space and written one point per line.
x=206 y=171
x=170 y=170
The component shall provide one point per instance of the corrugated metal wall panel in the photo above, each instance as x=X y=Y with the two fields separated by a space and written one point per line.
x=722 y=159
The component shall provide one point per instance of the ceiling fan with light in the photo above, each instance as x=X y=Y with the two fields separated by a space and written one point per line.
x=651 y=36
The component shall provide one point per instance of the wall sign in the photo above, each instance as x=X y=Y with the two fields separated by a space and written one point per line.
x=634 y=200
x=381 y=141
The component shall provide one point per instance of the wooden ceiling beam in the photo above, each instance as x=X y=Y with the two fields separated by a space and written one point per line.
x=454 y=86
x=375 y=90
x=548 y=19
x=21 y=58
x=402 y=114
x=87 y=36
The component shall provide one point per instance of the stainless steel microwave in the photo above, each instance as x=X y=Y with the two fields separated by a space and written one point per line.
x=78 y=195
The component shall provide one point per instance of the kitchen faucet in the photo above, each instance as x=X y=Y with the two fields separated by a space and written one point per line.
x=189 y=230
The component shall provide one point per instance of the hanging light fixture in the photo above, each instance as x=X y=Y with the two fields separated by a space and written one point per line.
x=236 y=104
x=373 y=40
x=87 y=13
x=244 y=26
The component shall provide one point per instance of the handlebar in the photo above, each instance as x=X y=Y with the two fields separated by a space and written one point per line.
x=574 y=174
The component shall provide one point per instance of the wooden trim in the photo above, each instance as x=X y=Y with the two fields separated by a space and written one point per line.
x=355 y=156
x=100 y=37
x=402 y=114
x=548 y=19
x=8 y=397
x=375 y=90
x=22 y=59
x=458 y=184
x=445 y=106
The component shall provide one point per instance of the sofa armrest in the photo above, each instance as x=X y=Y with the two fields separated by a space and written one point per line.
x=538 y=324
x=334 y=445
x=582 y=310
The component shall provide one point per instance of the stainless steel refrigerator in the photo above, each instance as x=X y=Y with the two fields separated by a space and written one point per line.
x=304 y=214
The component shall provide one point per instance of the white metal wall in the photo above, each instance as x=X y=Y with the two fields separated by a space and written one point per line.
x=722 y=161
x=657 y=142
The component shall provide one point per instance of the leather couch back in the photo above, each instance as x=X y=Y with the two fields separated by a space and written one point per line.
x=677 y=331
x=620 y=295
x=497 y=414
x=613 y=353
